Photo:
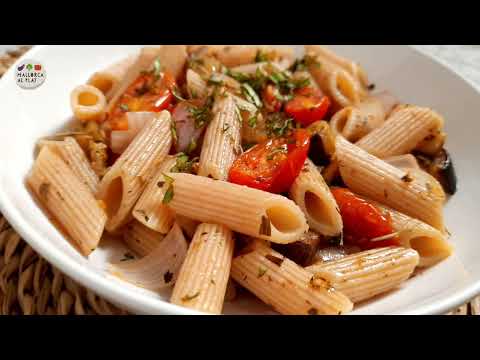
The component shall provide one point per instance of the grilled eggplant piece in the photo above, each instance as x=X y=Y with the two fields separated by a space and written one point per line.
x=303 y=251
x=441 y=168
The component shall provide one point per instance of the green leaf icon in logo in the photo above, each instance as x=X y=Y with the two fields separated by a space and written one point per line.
x=29 y=67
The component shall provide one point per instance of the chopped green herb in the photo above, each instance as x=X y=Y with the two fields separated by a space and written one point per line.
x=173 y=130
x=248 y=146
x=278 y=125
x=251 y=95
x=261 y=56
x=225 y=127
x=252 y=121
x=240 y=77
x=213 y=81
x=124 y=107
x=190 y=297
x=279 y=150
x=169 y=193
x=261 y=272
x=202 y=115
x=183 y=164
x=192 y=145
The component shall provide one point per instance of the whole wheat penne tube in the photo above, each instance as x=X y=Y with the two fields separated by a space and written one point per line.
x=221 y=144
x=353 y=68
x=68 y=199
x=366 y=274
x=338 y=84
x=202 y=281
x=123 y=184
x=286 y=286
x=196 y=86
x=354 y=122
x=237 y=55
x=262 y=66
x=141 y=239
x=173 y=59
x=88 y=103
x=312 y=195
x=402 y=131
x=73 y=155
x=372 y=177
x=149 y=209
x=407 y=161
x=431 y=245
x=245 y=210
x=158 y=269
x=105 y=80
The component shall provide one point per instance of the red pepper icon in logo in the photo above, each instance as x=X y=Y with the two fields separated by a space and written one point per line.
x=38 y=67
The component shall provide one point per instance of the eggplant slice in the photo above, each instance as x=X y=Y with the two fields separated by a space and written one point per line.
x=303 y=251
x=441 y=168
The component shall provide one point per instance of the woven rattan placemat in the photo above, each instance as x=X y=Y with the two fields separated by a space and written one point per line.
x=29 y=285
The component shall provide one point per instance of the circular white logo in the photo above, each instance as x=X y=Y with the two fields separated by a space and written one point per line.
x=30 y=74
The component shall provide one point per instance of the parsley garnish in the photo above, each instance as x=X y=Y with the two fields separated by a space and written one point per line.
x=278 y=125
x=127 y=256
x=281 y=149
x=213 y=81
x=261 y=272
x=261 y=56
x=225 y=127
x=183 y=164
x=157 y=68
x=202 y=115
x=124 y=107
x=176 y=94
x=251 y=95
x=192 y=145
x=190 y=297
x=252 y=121
x=169 y=193
x=173 y=130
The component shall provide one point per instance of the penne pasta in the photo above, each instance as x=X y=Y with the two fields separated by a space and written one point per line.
x=211 y=251
x=188 y=226
x=353 y=68
x=366 y=274
x=369 y=176
x=196 y=86
x=68 y=199
x=221 y=144
x=149 y=209
x=237 y=55
x=312 y=195
x=245 y=210
x=286 y=286
x=173 y=59
x=407 y=161
x=158 y=269
x=403 y=131
x=123 y=184
x=106 y=79
x=120 y=139
x=141 y=239
x=431 y=245
x=88 y=103
x=73 y=155
x=354 y=122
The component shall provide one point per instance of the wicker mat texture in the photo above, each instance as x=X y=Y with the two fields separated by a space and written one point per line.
x=29 y=285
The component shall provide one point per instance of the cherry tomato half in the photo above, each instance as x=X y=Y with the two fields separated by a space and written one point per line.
x=147 y=93
x=269 y=96
x=308 y=106
x=272 y=165
x=362 y=221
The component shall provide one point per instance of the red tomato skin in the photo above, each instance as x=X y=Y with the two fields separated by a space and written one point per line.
x=362 y=221
x=277 y=177
x=307 y=109
x=149 y=101
x=309 y=91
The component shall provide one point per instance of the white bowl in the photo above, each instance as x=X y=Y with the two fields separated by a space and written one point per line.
x=27 y=115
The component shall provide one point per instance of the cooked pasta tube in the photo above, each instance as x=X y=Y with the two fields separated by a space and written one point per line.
x=73 y=155
x=366 y=274
x=369 y=176
x=221 y=144
x=196 y=86
x=354 y=122
x=245 y=210
x=88 y=103
x=286 y=286
x=106 y=79
x=402 y=132
x=68 y=199
x=143 y=62
x=431 y=245
x=338 y=84
x=141 y=239
x=407 y=161
x=202 y=281
x=353 y=68
x=158 y=269
x=312 y=195
x=261 y=66
x=236 y=55
x=149 y=209
x=123 y=184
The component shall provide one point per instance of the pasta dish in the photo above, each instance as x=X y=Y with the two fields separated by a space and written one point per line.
x=228 y=169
